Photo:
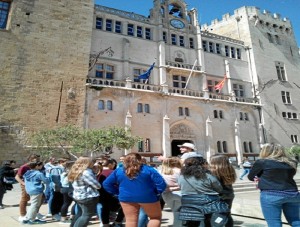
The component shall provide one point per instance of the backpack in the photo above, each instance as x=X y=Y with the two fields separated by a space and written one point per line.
x=54 y=177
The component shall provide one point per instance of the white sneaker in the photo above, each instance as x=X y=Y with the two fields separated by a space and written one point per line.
x=48 y=215
x=22 y=218
x=40 y=216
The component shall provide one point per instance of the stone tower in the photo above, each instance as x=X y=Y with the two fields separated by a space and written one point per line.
x=44 y=56
x=275 y=66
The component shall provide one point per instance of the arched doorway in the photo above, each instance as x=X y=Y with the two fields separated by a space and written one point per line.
x=175 y=150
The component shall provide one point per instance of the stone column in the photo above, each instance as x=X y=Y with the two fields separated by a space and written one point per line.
x=166 y=144
x=128 y=125
x=209 y=136
x=237 y=140
x=227 y=73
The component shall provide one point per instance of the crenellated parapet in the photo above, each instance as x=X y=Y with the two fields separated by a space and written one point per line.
x=262 y=18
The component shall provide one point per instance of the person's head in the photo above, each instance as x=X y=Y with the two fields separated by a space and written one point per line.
x=10 y=163
x=33 y=158
x=276 y=152
x=35 y=165
x=222 y=169
x=169 y=164
x=187 y=147
x=194 y=167
x=132 y=164
x=97 y=168
x=80 y=165
x=122 y=158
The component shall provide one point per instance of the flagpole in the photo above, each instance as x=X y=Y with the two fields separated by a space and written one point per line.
x=190 y=74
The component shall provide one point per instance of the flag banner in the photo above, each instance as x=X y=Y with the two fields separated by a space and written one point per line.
x=146 y=75
x=220 y=85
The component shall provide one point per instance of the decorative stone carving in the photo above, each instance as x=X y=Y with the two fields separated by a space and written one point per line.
x=181 y=131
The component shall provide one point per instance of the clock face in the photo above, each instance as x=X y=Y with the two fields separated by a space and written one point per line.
x=177 y=23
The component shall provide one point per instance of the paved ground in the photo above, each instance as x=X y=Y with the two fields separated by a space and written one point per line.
x=246 y=209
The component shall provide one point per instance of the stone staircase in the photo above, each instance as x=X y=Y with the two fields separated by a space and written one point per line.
x=246 y=186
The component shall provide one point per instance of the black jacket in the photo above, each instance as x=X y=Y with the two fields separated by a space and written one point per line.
x=273 y=175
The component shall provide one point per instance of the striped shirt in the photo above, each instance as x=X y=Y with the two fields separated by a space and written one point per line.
x=86 y=186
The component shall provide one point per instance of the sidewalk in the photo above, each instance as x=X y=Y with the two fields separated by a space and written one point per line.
x=246 y=207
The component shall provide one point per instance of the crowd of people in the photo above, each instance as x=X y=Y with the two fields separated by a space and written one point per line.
x=199 y=192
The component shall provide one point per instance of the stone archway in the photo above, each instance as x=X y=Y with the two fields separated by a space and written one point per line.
x=180 y=132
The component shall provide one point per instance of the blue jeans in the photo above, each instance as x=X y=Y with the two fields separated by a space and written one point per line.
x=143 y=218
x=246 y=171
x=273 y=204
x=86 y=209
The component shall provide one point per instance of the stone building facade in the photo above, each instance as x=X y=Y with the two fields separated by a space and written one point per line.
x=47 y=82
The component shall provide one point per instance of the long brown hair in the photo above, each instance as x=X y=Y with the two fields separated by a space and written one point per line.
x=222 y=169
x=78 y=167
x=132 y=164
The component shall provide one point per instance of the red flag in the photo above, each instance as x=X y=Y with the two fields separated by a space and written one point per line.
x=220 y=85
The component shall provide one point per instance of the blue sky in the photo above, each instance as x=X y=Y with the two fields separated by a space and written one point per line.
x=212 y=9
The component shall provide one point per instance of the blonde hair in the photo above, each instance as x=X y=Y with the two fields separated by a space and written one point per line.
x=78 y=167
x=169 y=164
x=278 y=153
x=222 y=169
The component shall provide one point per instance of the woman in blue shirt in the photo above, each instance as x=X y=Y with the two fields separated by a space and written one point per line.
x=137 y=185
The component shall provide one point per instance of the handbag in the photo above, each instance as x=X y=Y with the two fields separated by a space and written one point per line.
x=218 y=219
x=9 y=180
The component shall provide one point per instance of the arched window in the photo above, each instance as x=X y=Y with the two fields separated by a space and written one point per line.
x=215 y=114
x=100 y=105
x=219 y=147
x=140 y=108
x=221 y=114
x=224 y=147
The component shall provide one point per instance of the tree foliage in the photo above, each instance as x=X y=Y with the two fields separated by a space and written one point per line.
x=74 y=141
x=295 y=151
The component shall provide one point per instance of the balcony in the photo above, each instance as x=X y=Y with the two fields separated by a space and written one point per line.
x=179 y=65
x=165 y=90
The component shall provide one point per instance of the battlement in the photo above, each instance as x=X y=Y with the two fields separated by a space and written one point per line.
x=264 y=17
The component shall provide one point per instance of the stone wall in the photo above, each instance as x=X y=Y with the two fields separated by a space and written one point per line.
x=44 y=62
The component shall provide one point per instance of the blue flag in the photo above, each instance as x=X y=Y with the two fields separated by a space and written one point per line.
x=146 y=75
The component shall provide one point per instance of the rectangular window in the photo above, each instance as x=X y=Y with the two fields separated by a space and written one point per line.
x=174 y=40
x=286 y=98
x=241 y=116
x=211 y=47
x=4 y=12
x=148 y=33
x=238 y=90
x=192 y=43
x=227 y=51
x=165 y=37
x=187 y=111
x=280 y=71
x=147 y=145
x=118 y=27
x=104 y=71
x=218 y=48
x=238 y=53
x=109 y=25
x=180 y=110
x=141 y=146
x=284 y=115
x=130 y=29
x=136 y=73
x=179 y=81
x=270 y=38
x=232 y=49
x=99 y=23
x=147 y=108
x=295 y=115
x=294 y=138
x=181 y=41
x=289 y=115
x=139 y=31
x=204 y=45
